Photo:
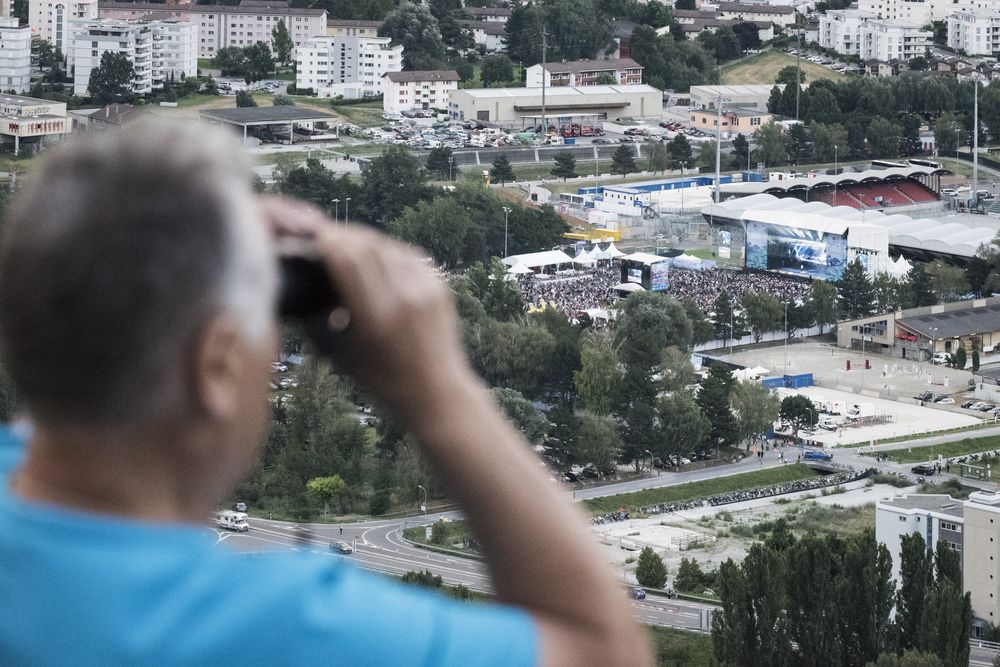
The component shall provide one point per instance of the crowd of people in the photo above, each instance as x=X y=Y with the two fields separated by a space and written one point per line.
x=594 y=288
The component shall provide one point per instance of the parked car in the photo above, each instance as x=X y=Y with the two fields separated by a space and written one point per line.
x=926 y=396
x=968 y=404
x=941 y=358
x=986 y=407
x=636 y=593
x=939 y=397
x=947 y=400
x=949 y=192
x=278 y=367
x=925 y=469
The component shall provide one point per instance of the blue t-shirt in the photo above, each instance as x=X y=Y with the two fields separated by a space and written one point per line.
x=86 y=589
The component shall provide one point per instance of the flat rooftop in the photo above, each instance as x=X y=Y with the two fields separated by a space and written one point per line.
x=954 y=323
x=930 y=502
x=556 y=92
x=265 y=115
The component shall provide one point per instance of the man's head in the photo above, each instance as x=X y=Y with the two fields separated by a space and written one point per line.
x=136 y=282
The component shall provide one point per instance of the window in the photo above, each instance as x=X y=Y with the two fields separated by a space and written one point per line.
x=902 y=518
x=949 y=526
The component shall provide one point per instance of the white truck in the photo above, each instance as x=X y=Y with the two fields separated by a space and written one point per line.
x=859 y=410
x=232 y=521
x=829 y=423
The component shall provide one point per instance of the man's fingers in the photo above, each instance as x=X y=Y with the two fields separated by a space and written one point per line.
x=291 y=218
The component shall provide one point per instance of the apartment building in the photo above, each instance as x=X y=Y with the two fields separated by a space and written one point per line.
x=920 y=12
x=419 y=90
x=15 y=55
x=222 y=26
x=734 y=120
x=489 y=34
x=352 y=28
x=777 y=14
x=854 y=32
x=160 y=51
x=623 y=71
x=490 y=14
x=975 y=31
x=51 y=18
x=351 y=67
x=981 y=557
x=936 y=517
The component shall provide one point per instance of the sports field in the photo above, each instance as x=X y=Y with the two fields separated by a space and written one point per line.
x=763 y=68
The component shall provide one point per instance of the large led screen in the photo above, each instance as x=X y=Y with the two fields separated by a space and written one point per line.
x=798 y=252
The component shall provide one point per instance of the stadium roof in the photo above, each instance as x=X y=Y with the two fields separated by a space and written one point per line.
x=955 y=323
x=920 y=234
x=827 y=180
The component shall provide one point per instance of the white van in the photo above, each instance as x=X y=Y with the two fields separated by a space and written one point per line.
x=232 y=521
x=941 y=358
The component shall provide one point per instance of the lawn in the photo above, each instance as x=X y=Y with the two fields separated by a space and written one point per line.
x=681 y=647
x=701 y=489
x=274 y=158
x=368 y=114
x=197 y=99
x=948 y=449
x=763 y=68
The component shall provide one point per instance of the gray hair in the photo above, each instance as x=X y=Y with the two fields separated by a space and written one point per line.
x=120 y=250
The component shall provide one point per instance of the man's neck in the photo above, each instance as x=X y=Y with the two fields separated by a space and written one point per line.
x=150 y=480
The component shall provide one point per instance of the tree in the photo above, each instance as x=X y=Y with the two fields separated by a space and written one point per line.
x=890 y=293
x=657 y=157
x=439 y=226
x=748 y=34
x=770 y=140
x=727 y=323
x=282 y=42
x=565 y=166
x=866 y=593
x=754 y=407
x=648 y=322
x=496 y=68
x=812 y=600
x=798 y=142
x=944 y=626
x=259 y=62
x=676 y=370
x=915 y=577
x=763 y=313
x=706 y=155
x=597 y=443
x=961 y=357
x=741 y=151
x=919 y=287
x=702 y=329
x=690 y=578
x=414 y=27
x=884 y=138
x=230 y=60
x=713 y=399
x=325 y=490
x=499 y=297
x=975 y=360
x=390 y=183
x=947 y=133
x=623 y=160
x=312 y=182
x=683 y=426
x=917 y=63
x=501 y=170
x=599 y=380
x=522 y=413
x=908 y=659
x=680 y=149
x=441 y=163
x=112 y=80
x=244 y=98
x=282 y=101
x=948 y=282
x=856 y=292
x=787 y=76
x=798 y=411
x=685 y=4
x=650 y=570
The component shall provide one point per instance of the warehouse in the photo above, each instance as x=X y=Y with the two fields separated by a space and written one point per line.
x=512 y=107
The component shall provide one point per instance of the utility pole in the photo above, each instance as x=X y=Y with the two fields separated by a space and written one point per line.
x=718 y=146
x=545 y=48
x=798 y=70
x=975 y=144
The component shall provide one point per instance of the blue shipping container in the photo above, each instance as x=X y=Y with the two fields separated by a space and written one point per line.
x=773 y=382
x=569 y=141
x=796 y=380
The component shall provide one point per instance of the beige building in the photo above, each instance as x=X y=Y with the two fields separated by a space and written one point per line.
x=352 y=28
x=733 y=120
x=777 y=14
x=51 y=18
x=624 y=71
x=522 y=107
x=981 y=556
x=403 y=91
x=31 y=121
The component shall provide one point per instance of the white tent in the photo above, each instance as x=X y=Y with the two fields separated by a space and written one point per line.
x=612 y=251
x=600 y=255
x=760 y=371
x=629 y=287
x=687 y=262
x=899 y=268
x=519 y=268
x=585 y=257
x=535 y=260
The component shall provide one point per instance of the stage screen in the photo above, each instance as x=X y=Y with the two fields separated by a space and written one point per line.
x=635 y=276
x=798 y=252
x=658 y=276
x=728 y=242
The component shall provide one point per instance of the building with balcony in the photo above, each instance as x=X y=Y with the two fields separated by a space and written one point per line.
x=418 y=90
x=620 y=71
x=778 y=14
x=15 y=55
x=352 y=28
x=160 y=51
x=222 y=26
x=975 y=32
x=920 y=12
x=853 y=32
x=351 y=67
x=51 y=18
x=935 y=517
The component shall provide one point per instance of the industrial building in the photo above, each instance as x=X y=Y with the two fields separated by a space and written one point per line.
x=521 y=107
x=31 y=122
x=747 y=97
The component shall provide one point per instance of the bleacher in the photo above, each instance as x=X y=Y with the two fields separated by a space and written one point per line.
x=869 y=195
x=844 y=197
x=917 y=192
x=878 y=194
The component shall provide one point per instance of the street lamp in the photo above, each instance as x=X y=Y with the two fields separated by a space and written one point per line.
x=506 y=216
x=786 y=337
x=336 y=210
x=650 y=459
x=423 y=507
x=347 y=210
x=683 y=169
x=835 y=175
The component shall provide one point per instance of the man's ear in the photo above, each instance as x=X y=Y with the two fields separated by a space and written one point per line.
x=218 y=364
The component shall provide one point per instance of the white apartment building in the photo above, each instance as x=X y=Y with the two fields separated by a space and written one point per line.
x=936 y=517
x=418 y=90
x=15 y=55
x=221 y=26
x=159 y=50
x=854 y=32
x=981 y=556
x=920 y=12
x=349 y=66
x=51 y=18
x=976 y=31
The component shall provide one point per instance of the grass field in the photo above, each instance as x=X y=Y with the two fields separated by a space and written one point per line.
x=763 y=68
x=368 y=114
x=681 y=647
x=948 y=449
x=701 y=489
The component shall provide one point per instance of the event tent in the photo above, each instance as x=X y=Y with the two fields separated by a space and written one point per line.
x=612 y=252
x=519 y=268
x=629 y=287
x=536 y=260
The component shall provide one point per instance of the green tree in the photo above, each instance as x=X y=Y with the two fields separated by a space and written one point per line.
x=702 y=329
x=908 y=659
x=890 y=293
x=439 y=226
x=314 y=183
x=690 y=578
x=648 y=322
x=441 y=163
x=565 y=166
x=916 y=578
x=829 y=141
x=713 y=399
x=866 y=592
x=500 y=298
x=786 y=76
x=676 y=371
x=657 y=157
x=884 y=138
x=683 y=426
x=754 y=407
x=944 y=625
x=244 y=98
x=390 y=183
x=282 y=42
x=501 y=169
x=650 y=570
x=112 y=80
x=770 y=141
x=920 y=290
x=325 y=490
x=741 y=151
x=961 y=357
x=259 y=62
x=496 y=68
x=679 y=149
x=599 y=380
x=597 y=443
x=857 y=296
x=727 y=323
x=231 y=60
x=798 y=411
x=812 y=601
x=947 y=133
x=706 y=156
x=948 y=282
x=763 y=313
x=623 y=160
x=975 y=360
x=414 y=27
x=282 y=100
x=526 y=417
